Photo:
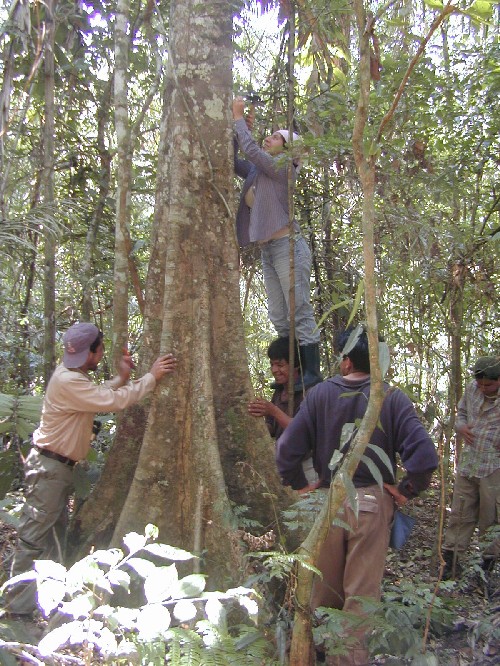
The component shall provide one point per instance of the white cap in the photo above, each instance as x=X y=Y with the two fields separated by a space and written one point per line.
x=285 y=134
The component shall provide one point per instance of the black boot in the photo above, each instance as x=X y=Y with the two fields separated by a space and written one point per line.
x=451 y=568
x=311 y=374
x=488 y=564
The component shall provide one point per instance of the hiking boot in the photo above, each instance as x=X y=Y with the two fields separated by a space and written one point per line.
x=311 y=374
x=452 y=568
x=488 y=564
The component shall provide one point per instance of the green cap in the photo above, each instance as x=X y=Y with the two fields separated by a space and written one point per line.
x=487 y=366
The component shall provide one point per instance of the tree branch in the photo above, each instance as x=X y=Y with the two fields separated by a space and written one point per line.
x=449 y=9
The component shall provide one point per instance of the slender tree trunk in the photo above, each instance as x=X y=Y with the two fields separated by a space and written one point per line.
x=104 y=181
x=302 y=649
x=49 y=289
x=123 y=181
x=457 y=271
x=301 y=652
x=29 y=271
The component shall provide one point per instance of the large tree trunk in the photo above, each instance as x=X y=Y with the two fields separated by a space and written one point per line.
x=201 y=451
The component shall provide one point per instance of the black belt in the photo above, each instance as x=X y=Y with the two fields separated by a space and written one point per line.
x=55 y=456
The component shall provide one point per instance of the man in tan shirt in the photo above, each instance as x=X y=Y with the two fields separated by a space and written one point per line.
x=63 y=439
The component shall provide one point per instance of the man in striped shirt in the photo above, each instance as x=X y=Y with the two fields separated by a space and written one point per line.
x=476 y=494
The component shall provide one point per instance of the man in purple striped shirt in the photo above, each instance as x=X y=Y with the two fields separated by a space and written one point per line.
x=263 y=217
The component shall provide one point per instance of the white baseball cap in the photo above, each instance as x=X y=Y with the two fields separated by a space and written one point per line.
x=285 y=134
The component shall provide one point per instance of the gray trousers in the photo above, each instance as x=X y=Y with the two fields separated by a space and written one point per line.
x=276 y=270
x=475 y=502
x=41 y=530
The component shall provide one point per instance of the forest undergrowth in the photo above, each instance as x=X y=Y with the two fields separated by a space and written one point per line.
x=471 y=601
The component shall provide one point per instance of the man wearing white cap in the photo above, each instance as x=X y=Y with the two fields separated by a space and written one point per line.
x=63 y=439
x=263 y=217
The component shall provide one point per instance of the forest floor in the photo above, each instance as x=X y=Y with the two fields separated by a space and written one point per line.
x=473 y=637
x=467 y=639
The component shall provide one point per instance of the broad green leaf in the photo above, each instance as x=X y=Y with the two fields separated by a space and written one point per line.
x=357 y=300
x=25 y=577
x=24 y=428
x=338 y=522
x=104 y=611
x=57 y=638
x=161 y=584
x=119 y=577
x=134 y=542
x=80 y=607
x=338 y=73
x=374 y=470
x=250 y=605
x=6 y=406
x=168 y=552
x=86 y=572
x=29 y=407
x=382 y=455
x=105 y=641
x=347 y=435
x=335 y=459
x=152 y=622
x=127 y=650
x=351 y=493
x=352 y=340
x=434 y=4
x=50 y=569
x=189 y=586
x=151 y=531
x=215 y=612
x=110 y=557
x=7 y=659
x=125 y=618
x=480 y=8
x=50 y=593
x=384 y=358
x=143 y=567
x=184 y=610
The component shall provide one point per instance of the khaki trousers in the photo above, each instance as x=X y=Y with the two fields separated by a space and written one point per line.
x=352 y=562
x=475 y=502
x=42 y=526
